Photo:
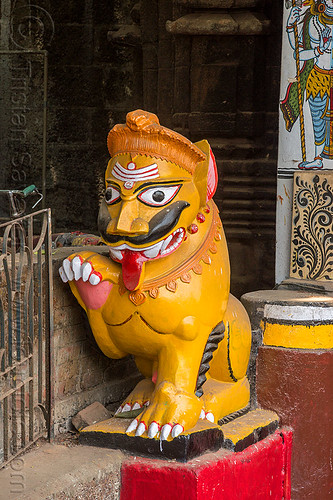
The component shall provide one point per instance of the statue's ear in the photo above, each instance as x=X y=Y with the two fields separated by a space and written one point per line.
x=205 y=175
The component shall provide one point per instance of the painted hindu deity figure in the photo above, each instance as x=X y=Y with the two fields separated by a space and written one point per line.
x=162 y=295
x=309 y=29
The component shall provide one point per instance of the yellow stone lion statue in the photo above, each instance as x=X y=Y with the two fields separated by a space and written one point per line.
x=163 y=294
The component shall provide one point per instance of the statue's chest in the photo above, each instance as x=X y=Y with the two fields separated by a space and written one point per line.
x=162 y=311
x=163 y=308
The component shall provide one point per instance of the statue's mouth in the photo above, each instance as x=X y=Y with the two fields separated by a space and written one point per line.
x=151 y=252
x=133 y=259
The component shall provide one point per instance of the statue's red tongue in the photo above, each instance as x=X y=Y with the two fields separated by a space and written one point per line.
x=132 y=267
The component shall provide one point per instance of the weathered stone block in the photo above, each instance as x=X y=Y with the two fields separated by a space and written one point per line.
x=74 y=84
x=69 y=124
x=221 y=95
x=93 y=414
x=65 y=53
x=66 y=354
x=213 y=123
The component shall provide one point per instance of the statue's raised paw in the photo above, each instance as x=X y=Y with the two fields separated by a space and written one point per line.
x=170 y=412
x=90 y=276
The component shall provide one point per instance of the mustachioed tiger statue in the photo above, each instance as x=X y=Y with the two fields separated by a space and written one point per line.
x=162 y=295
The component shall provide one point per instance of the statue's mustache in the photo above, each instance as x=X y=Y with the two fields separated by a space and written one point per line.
x=159 y=225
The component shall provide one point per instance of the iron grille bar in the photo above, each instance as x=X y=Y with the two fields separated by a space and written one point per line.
x=15 y=365
x=14 y=390
x=26 y=329
x=49 y=328
x=40 y=326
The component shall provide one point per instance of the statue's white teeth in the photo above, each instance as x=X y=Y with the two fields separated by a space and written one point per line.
x=166 y=243
x=153 y=252
x=160 y=248
x=116 y=254
x=179 y=233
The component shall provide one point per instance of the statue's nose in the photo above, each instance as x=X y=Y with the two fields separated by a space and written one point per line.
x=128 y=221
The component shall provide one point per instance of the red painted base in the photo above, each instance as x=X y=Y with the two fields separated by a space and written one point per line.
x=260 y=472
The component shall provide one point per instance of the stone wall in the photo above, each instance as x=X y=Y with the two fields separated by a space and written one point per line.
x=108 y=57
x=91 y=87
x=82 y=374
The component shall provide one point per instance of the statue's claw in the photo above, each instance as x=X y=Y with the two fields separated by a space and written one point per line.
x=165 y=431
x=76 y=269
x=207 y=416
x=141 y=429
x=176 y=430
x=83 y=271
x=132 y=426
x=138 y=398
x=126 y=407
x=153 y=429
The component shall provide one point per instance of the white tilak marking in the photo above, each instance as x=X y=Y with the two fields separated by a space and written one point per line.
x=141 y=174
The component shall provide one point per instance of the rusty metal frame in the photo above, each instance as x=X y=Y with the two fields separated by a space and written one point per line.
x=26 y=332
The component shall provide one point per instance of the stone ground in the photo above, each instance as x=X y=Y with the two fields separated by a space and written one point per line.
x=63 y=470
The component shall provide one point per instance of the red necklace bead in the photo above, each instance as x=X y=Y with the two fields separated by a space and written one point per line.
x=193 y=228
x=201 y=218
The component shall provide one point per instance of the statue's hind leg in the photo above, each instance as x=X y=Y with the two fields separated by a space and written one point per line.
x=227 y=388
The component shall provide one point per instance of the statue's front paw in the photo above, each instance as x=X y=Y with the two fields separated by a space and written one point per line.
x=138 y=398
x=87 y=280
x=170 y=412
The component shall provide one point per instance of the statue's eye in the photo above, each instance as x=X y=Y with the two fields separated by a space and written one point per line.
x=159 y=195
x=111 y=195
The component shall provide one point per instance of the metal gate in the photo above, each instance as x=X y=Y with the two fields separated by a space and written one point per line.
x=26 y=324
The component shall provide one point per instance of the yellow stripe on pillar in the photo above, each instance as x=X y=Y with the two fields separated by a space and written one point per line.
x=297 y=336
